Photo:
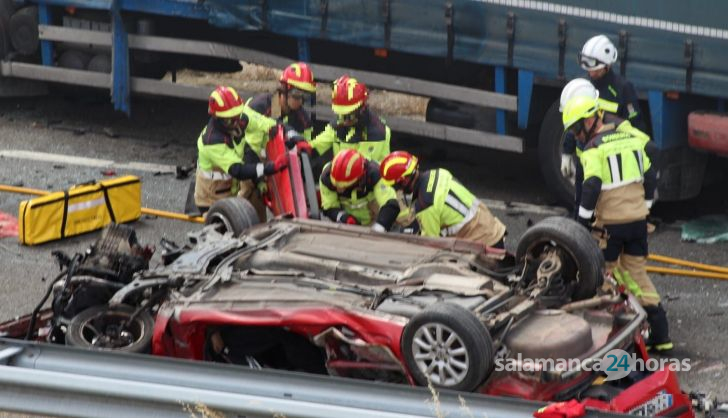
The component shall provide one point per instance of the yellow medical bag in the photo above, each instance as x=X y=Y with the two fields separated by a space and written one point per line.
x=80 y=209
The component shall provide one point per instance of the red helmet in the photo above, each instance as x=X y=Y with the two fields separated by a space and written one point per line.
x=397 y=166
x=347 y=95
x=225 y=103
x=298 y=76
x=347 y=168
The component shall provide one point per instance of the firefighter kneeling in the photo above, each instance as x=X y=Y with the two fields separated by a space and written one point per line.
x=618 y=191
x=353 y=193
x=442 y=206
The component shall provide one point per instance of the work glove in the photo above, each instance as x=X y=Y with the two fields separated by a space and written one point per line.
x=567 y=165
x=293 y=136
x=304 y=146
x=276 y=166
x=349 y=220
x=262 y=187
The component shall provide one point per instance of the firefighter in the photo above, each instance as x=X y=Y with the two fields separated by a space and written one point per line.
x=618 y=191
x=357 y=126
x=441 y=205
x=597 y=57
x=220 y=149
x=296 y=86
x=352 y=192
x=617 y=95
x=569 y=166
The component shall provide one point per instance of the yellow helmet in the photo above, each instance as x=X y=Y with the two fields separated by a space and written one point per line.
x=578 y=108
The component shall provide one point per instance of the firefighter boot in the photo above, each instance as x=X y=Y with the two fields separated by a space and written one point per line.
x=659 y=341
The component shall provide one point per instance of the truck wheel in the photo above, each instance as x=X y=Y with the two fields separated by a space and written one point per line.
x=582 y=260
x=100 y=63
x=550 y=141
x=6 y=10
x=74 y=59
x=108 y=328
x=446 y=345
x=233 y=214
x=24 y=30
x=448 y=113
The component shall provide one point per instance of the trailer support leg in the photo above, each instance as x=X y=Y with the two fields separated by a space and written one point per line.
x=500 y=87
x=46 y=47
x=304 y=53
x=525 y=91
x=120 y=88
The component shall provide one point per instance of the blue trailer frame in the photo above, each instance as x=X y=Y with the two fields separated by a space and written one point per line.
x=671 y=51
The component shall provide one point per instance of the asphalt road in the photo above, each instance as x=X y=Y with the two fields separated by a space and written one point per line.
x=163 y=132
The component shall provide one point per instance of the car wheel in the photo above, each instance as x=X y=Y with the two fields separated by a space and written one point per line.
x=582 y=263
x=447 y=346
x=233 y=214
x=550 y=142
x=108 y=328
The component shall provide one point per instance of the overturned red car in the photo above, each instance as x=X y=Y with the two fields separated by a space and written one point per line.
x=324 y=298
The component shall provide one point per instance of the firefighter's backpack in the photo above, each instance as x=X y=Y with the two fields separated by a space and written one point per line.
x=80 y=209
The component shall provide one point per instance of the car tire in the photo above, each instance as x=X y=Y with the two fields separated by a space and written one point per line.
x=85 y=329
x=232 y=214
x=586 y=259
x=471 y=346
x=550 y=142
x=24 y=30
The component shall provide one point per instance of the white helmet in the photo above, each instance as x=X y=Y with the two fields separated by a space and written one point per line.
x=597 y=53
x=576 y=88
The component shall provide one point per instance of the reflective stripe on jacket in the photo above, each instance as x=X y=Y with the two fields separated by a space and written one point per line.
x=362 y=202
x=444 y=206
x=370 y=137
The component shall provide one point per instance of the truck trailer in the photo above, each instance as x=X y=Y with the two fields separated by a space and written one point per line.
x=493 y=69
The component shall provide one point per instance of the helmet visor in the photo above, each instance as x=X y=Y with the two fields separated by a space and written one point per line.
x=589 y=64
x=348 y=119
x=298 y=94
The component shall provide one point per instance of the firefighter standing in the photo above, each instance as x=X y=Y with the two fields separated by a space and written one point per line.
x=357 y=126
x=597 y=57
x=352 y=192
x=618 y=191
x=442 y=206
x=617 y=95
x=583 y=87
x=296 y=86
x=220 y=149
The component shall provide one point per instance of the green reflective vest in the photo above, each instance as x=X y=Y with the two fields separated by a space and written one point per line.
x=372 y=140
x=357 y=203
x=256 y=133
x=617 y=159
x=441 y=202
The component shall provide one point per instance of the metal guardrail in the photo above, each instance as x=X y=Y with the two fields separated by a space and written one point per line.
x=62 y=381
